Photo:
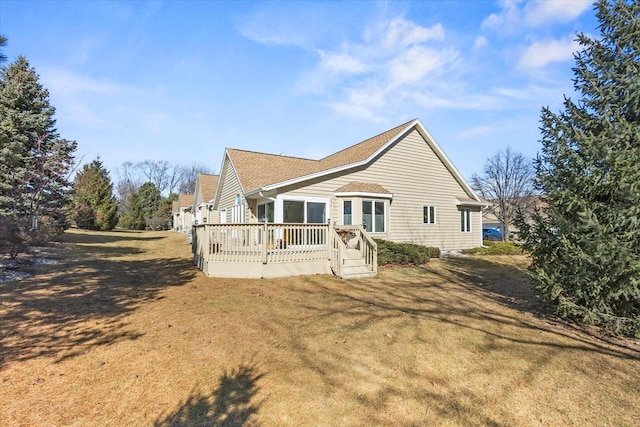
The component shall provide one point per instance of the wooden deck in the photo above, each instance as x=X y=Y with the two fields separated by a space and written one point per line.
x=280 y=250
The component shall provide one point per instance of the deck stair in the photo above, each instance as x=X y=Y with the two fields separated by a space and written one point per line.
x=354 y=265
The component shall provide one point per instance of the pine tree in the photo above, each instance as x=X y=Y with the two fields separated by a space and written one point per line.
x=131 y=215
x=94 y=205
x=34 y=161
x=149 y=200
x=586 y=245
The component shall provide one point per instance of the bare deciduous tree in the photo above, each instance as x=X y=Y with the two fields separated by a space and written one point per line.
x=507 y=181
x=190 y=175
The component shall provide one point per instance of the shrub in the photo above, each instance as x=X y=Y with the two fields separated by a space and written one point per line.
x=11 y=239
x=404 y=253
x=495 y=248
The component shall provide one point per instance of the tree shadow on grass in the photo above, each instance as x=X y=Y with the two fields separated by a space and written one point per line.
x=81 y=302
x=409 y=309
x=231 y=404
x=82 y=236
x=509 y=286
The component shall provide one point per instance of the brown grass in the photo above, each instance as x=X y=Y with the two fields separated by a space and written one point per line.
x=125 y=331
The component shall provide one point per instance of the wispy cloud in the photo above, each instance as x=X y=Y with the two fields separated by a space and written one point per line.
x=65 y=82
x=402 y=33
x=361 y=76
x=516 y=16
x=545 y=12
x=475 y=132
x=541 y=53
x=340 y=62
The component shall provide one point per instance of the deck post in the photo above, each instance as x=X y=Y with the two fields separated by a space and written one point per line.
x=263 y=243
x=206 y=244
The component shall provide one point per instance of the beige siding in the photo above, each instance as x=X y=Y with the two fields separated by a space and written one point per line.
x=231 y=187
x=415 y=176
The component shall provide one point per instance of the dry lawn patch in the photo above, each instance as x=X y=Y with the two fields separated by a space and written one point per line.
x=125 y=331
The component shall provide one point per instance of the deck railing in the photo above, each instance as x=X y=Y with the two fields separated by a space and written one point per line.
x=260 y=242
x=355 y=237
x=281 y=243
x=336 y=251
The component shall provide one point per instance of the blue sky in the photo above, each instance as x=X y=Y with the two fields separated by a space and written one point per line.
x=182 y=80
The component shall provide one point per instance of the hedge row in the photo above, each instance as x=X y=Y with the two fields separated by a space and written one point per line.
x=404 y=253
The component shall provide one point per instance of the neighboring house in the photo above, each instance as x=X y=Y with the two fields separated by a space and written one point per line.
x=399 y=185
x=203 y=199
x=528 y=204
x=182 y=213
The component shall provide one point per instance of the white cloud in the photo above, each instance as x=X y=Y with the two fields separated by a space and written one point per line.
x=272 y=36
x=403 y=33
x=362 y=103
x=480 y=42
x=541 y=53
x=475 y=132
x=505 y=22
x=418 y=62
x=392 y=60
x=544 y=12
x=65 y=82
x=516 y=15
x=340 y=62
x=458 y=99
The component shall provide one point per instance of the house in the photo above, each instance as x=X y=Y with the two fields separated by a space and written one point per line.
x=398 y=185
x=203 y=198
x=182 y=213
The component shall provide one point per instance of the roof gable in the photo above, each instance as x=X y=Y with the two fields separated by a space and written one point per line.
x=261 y=171
x=206 y=186
x=185 y=200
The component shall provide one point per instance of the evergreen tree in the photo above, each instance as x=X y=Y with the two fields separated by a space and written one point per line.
x=149 y=199
x=94 y=205
x=34 y=161
x=140 y=207
x=131 y=216
x=586 y=245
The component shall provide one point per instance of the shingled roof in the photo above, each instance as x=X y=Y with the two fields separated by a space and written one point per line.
x=256 y=170
x=363 y=187
x=208 y=184
x=185 y=200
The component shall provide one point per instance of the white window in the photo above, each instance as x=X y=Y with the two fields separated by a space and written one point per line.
x=304 y=211
x=265 y=212
x=223 y=216
x=429 y=214
x=373 y=216
x=347 y=212
x=465 y=220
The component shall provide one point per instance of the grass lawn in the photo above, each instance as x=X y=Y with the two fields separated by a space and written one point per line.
x=124 y=331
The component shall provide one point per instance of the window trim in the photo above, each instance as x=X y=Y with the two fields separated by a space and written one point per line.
x=265 y=204
x=279 y=206
x=373 y=214
x=351 y=214
x=465 y=220
x=430 y=220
